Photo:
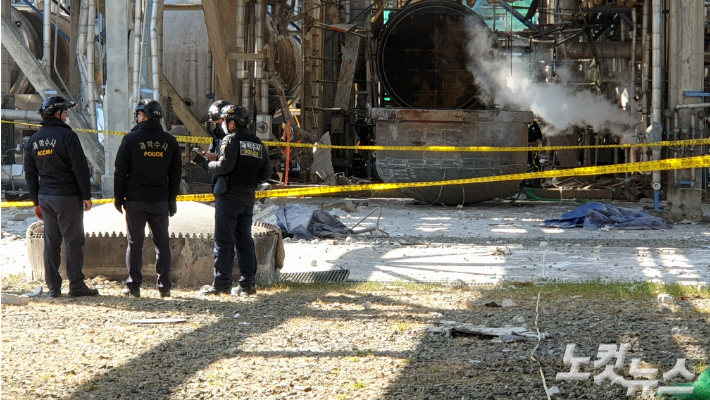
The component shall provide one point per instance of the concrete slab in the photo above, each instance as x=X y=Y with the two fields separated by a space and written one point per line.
x=480 y=244
x=500 y=240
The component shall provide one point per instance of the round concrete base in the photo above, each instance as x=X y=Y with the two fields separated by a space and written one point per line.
x=191 y=245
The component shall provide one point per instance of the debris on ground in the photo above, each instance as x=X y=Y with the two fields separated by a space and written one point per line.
x=159 y=321
x=505 y=335
x=350 y=207
x=595 y=216
x=36 y=292
x=14 y=299
x=665 y=298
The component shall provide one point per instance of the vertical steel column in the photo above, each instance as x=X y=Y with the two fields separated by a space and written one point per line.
x=118 y=110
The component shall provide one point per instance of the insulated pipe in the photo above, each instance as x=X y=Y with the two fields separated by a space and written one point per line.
x=91 y=83
x=137 y=24
x=264 y=95
x=154 y=49
x=245 y=92
x=656 y=60
x=13 y=115
x=81 y=48
x=260 y=13
x=632 y=88
x=645 y=60
x=605 y=50
x=692 y=106
x=656 y=86
x=240 y=38
x=47 y=35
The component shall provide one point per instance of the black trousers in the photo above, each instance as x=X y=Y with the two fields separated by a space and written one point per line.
x=232 y=227
x=157 y=215
x=63 y=221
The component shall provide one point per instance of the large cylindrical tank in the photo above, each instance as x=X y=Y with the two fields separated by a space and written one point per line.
x=418 y=127
x=29 y=25
x=422 y=58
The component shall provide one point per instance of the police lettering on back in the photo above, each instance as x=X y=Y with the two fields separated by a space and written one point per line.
x=250 y=149
x=154 y=146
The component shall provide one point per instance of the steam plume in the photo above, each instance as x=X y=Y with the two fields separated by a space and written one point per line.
x=561 y=107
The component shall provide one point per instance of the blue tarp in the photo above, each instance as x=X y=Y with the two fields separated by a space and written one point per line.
x=594 y=216
x=307 y=222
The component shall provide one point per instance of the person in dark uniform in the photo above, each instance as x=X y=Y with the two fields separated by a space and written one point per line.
x=147 y=181
x=242 y=163
x=57 y=175
x=215 y=113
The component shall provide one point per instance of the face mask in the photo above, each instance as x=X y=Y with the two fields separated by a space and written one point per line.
x=219 y=132
x=67 y=121
x=224 y=127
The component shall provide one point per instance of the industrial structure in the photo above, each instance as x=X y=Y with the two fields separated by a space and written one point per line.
x=349 y=72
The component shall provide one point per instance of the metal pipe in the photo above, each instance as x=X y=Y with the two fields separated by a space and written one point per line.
x=692 y=106
x=645 y=60
x=260 y=13
x=632 y=88
x=657 y=15
x=137 y=36
x=264 y=95
x=210 y=73
x=154 y=49
x=81 y=48
x=47 y=35
x=656 y=62
x=13 y=115
x=54 y=60
x=692 y=148
x=347 y=11
x=145 y=43
x=240 y=38
x=608 y=50
x=91 y=83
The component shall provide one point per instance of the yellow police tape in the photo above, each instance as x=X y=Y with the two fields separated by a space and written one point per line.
x=207 y=140
x=663 y=165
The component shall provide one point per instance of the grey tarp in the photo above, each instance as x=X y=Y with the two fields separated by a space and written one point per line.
x=305 y=222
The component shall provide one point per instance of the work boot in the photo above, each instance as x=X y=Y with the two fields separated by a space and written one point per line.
x=83 y=291
x=209 y=289
x=243 y=291
x=131 y=291
x=55 y=293
x=165 y=294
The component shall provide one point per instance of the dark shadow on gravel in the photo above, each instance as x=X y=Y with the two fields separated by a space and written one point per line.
x=473 y=368
x=165 y=367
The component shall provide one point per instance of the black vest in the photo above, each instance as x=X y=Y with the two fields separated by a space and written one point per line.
x=251 y=154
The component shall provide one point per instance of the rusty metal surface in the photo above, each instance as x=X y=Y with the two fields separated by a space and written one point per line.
x=411 y=127
x=422 y=57
x=347 y=72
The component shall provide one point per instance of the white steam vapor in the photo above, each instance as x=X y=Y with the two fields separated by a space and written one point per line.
x=559 y=106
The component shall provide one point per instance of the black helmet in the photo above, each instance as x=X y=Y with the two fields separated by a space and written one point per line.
x=51 y=105
x=238 y=114
x=150 y=108
x=216 y=109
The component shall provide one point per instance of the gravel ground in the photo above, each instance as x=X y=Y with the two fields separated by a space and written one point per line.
x=319 y=342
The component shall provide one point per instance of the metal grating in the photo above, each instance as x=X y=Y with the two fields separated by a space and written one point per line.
x=335 y=276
